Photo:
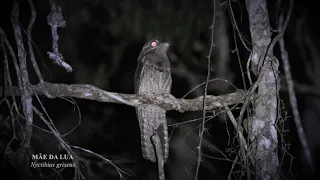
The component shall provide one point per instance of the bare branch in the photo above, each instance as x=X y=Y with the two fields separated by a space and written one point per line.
x=90 y=92
x=119 y=170
x=29 y=31
x=25 y=94
x=235 y=26
x=205 y=93
x=13 y=56
x=236 y=126
x=55 y=20
x=292 y=96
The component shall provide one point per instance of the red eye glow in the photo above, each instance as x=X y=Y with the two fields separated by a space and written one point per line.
x=153 y=44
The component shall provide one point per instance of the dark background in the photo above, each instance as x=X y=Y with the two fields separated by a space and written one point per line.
x=102 y=41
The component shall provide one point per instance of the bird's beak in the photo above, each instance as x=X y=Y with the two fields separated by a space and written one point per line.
x=165 y=46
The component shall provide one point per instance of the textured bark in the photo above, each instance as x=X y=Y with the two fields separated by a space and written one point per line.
x=265 y=65
x=86 y=91
x=25 y=86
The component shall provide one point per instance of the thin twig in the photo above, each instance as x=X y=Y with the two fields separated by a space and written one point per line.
x=205 y=93
x=29 y=31
x=119 y=170
x=292 y=96
x=235 y=25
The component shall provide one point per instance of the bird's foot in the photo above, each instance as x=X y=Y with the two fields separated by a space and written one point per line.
x=175 y=103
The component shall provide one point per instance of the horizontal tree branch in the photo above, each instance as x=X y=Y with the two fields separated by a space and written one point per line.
x=168 y=102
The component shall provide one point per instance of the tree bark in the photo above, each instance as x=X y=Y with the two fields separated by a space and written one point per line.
x=265 y=67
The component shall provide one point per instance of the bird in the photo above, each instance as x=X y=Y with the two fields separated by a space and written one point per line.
x=153 y=77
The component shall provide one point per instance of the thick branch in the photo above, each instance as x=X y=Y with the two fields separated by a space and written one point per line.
x=90 y=92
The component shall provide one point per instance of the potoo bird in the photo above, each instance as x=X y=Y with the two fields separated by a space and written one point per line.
x=153 y=76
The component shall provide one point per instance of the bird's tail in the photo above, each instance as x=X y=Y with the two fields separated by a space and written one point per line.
x=152 y=120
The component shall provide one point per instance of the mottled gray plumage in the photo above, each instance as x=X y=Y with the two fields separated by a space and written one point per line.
x=153 y=76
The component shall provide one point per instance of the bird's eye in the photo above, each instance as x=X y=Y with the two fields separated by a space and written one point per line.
x=154 y=43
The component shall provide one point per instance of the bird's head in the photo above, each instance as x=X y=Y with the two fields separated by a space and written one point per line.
x=156 y=46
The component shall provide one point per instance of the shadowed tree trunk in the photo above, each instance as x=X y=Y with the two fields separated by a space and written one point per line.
x=265 y=66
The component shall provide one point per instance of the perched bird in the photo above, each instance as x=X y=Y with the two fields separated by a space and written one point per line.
x=153 y=76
